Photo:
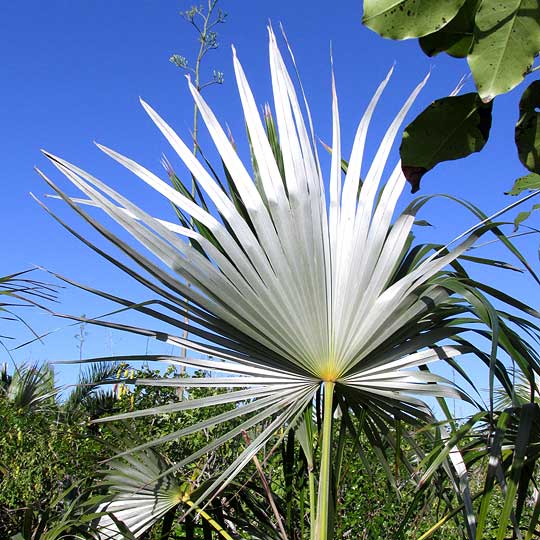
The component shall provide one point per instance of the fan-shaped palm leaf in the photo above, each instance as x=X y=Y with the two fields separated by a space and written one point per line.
x=31 y=387
x=292 y=287
x=141 y=494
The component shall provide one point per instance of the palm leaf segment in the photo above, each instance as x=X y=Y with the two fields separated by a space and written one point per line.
x=142 y=494
x=292 y=284
x=30 y=387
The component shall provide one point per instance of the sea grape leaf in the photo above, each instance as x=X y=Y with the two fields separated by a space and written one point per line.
x=506 y=40
x=529 y=182
x=450 y=128
x=522 y=216
x=456 y=37
x=525 y=183
x=527 y=134
x=403 y=19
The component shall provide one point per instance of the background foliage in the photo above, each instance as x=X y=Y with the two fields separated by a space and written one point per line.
x=499 y=40
x=50 y=445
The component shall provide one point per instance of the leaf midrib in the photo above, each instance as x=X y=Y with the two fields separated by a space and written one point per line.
x=514 y=19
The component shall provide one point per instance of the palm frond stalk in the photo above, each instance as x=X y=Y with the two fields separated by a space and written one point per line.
x=292 y=285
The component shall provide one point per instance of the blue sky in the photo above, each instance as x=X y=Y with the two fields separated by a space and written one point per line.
x=72 y=73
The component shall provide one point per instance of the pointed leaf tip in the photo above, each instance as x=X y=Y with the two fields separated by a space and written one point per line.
x=52 y=157
x=413 y=176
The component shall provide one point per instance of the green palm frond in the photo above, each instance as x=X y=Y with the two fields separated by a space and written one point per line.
x=24 y=290
x=523 y=391
x=31 y=387
x=88 y=395
x=293 y=285
x=506 y=447
x=17 y=292
x=73 y=513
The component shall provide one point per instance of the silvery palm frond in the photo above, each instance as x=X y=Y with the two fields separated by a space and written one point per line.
x=140 y=494
x=292 y=283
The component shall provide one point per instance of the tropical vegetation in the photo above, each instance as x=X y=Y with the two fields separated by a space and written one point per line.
x=306 y=394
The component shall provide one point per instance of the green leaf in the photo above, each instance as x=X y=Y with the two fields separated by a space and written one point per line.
x=405 y=19
x=528 y=415
x=527 y=134
x=344 y=162
x=529 y=182
x=494 y=462
x=456 y=37
x=450 y=128
x=522 y=216
x=534 y=518
x=304 y=434
x=273 y=139
x=506 y=40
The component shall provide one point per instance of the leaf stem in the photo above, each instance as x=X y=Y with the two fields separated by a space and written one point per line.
x=325 y=472
x=312 y=504
x=208 y=518
x=267 y=490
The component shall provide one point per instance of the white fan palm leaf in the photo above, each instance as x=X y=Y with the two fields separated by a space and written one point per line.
x=289 y=288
